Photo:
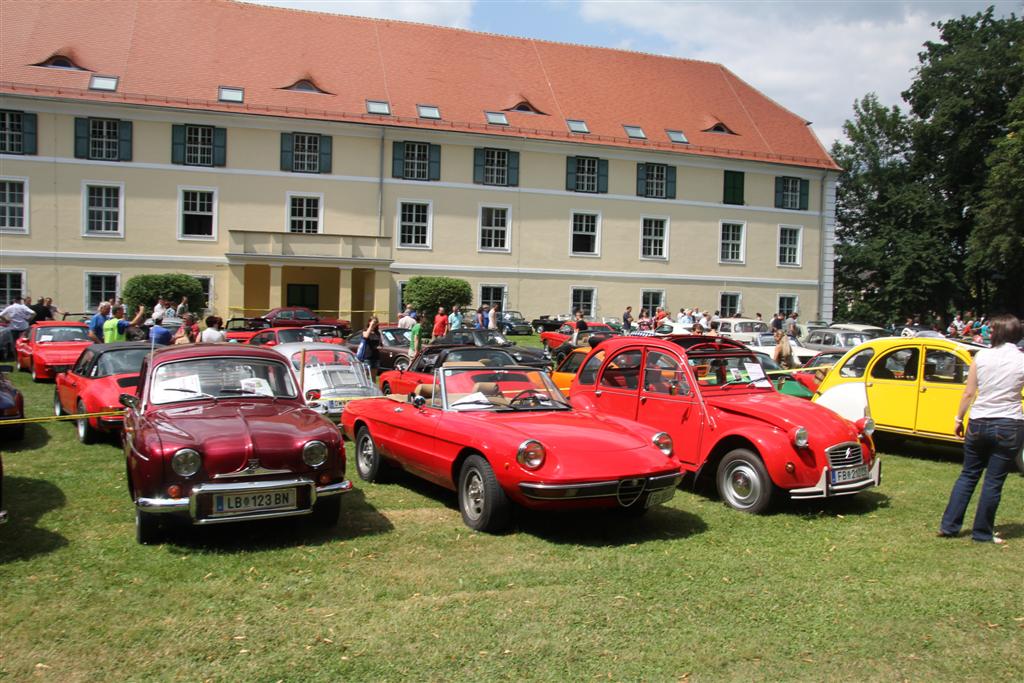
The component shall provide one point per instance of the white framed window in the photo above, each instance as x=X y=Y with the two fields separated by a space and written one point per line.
x=732 y=242
x=790 y=245
x=677 y=136
x=305 y=153
x=583 y=299
x=198 y=145
x=428 y=111
x=788 y=303
x=12 y=139
x=12 y=284
x=729 y=304
x=101 y=287
x=197 y=213
x=102 y=209
x=495 y=228
x=654 y=178
x=495 y=166
x=586 y=234
x=652 y=299
x=635 y=132
x=790 y=193
x=586 y=174
x=491 y=295
x=654 y=237
x=103 y=139
x=305 y=212
x=14 y=209
x=378 y=107
x=417 y=161
x=496 y=118
x=402 y=303
x=414 y=224
x=207 y=283
x=577 y=125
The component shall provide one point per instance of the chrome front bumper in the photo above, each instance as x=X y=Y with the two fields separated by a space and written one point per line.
x=825 y=488
x=601 y=489
x=189 y=505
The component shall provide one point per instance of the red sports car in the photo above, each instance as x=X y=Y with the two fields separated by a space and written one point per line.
x=421 y=371
x=564 y=333
x=51 y=347
x=95 y=383
x=272 y=336
x=727 y=419
x=219 y=433
x=298 y=316
x=242 y=330
x=504 y=436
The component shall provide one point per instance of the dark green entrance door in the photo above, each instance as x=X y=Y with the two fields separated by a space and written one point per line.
x=304 y=295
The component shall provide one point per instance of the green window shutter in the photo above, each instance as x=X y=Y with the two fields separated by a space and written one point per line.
x=778 y=192
x=177 y=144
x=641 y=180
x=398 y=160
x=220 y=146
x=287 y=149
x=124 y=140
x=435 y=162
x=326 y=146
x=570 y=173
x=81 y=138
x=602 y=175
x=805 y=190
x=733 y=192
x=513 y=169
x=670 y=182
x=478 y=166
x=29 y=135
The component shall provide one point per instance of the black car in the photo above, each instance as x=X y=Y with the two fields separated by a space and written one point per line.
x=547 y=323
x=12 y=407
x=513 y=322
x=421 y=370
x=495 y=339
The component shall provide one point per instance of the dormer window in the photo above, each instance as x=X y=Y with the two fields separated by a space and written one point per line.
x=108 y=83
x=577 y=125
x=496 y=118
x=306 y=85
x=719 y=128
x=60 y=62
x=524 y=107
x=677 y=136
x=379 y=107
x=428 y=111
x=228 y=94
x=635 y=132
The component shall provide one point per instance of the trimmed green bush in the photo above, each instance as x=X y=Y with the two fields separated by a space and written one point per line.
x=143 y=290
x=427 y=294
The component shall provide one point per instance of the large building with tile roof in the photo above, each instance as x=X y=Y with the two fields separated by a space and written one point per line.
x=289 y=157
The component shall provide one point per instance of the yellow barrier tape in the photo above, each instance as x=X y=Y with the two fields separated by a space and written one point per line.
x=61 y=418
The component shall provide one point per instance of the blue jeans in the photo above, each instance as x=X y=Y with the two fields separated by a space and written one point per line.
x=991 y=443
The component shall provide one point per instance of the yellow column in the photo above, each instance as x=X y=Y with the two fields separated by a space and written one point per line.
x=276 y=297
x=382 y=294
x=345 y=294
x=236 y=291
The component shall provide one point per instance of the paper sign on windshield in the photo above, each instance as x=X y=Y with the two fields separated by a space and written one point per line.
x=755 y=373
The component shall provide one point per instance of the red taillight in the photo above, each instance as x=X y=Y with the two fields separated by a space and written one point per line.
x=325 y=479
x=313 y=395
x=174 y=491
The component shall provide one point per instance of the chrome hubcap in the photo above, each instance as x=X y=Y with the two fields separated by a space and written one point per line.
x=365 y=453
x=473 y=495
x=743 y=486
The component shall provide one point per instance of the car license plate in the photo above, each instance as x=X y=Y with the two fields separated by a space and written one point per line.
x=659 y=497
x=236 y=503
x=849 y=474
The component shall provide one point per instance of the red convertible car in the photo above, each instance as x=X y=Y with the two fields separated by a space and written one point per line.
x=553 y=340
x=421 y=371
x=242 y=330
x=727 y=419
x=272 y=336
x=503 y=436
x=95 y=383
x=219 y=433
x=51 y=347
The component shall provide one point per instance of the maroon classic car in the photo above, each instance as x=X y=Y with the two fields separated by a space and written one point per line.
x=219 y=433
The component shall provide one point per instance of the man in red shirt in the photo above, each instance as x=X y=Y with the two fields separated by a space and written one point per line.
x=440 y=324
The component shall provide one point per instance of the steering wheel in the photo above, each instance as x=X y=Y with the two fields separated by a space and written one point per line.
x=534 y=396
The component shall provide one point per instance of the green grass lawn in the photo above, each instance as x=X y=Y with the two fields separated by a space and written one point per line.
x=853 y=589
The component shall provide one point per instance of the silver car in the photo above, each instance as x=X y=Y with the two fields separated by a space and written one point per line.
x=833 y=338
x=330 y=375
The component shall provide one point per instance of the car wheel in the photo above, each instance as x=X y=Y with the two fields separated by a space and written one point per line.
x=368 y=459
x=401 y=363
x=327 y=511
x=743 y=482
x=147 y=528
x=385 y=388
x=86 y=433
x=32 y=371
x=58 y=409
x=482 y=501
x=538 y=329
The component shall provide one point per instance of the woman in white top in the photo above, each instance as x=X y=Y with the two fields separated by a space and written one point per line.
x=213 y=334
x=995 y=433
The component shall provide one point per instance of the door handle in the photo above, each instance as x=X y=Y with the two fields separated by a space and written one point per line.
x=643 y=399
x=598 y=392
x=399 y=410
x=924 y=389
x=869 y=384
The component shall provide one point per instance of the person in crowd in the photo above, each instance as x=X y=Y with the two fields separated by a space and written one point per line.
x=415 y=335
x=18 y=316
x=96 y=322
x=159 y=310
x=408 y=319
x=115 y=329
x=776 y=321
x=758 y=317
x=627 y=319
x=698 y=324
x=492 y=317
x=716 y=317
x=370 y=346
x=54 y=310
x=783 y=352
x=713 y=328
x=184 y=334
x=659 y=315
x=908 y=328
x=213 y=333
x=791 y=328
x=455 y=318
x=158 y=334
x=580 y=325
x=42 y=310
x=995 y=433
x=440 y=324
x=643 y=323
x=182 y=308
x=479 y=318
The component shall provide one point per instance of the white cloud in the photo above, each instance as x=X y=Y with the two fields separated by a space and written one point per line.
x=456 y=13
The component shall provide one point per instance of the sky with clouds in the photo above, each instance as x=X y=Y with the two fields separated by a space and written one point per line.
x=814 y=57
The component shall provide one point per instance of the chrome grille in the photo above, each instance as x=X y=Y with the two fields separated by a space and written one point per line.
x=845 y=455
x=630 y=490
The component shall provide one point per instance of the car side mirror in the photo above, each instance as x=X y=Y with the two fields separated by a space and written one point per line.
x=127 y=382
x=129 y=401
x=417 y=401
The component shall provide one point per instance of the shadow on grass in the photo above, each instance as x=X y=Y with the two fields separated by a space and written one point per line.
x=1008 y=531
x=36 y=436
x=358 y=518
x=921 y=449
x=26 y=501
x=861 y=503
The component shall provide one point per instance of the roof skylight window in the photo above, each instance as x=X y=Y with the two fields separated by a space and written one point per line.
x=577 y=125
x=496 y=118
x=428 y=111
x=60 y=62
x=635 y=132
x=103 y=83
x=677 y=136
x=306 y=85
x=378 y=107
x=228 y=94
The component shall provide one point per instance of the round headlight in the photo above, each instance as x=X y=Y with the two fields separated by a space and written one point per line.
x=186 y=462
x=314 y=453
x=663 y=441
x=866 y=425
x=531 y=454
x=800 y=437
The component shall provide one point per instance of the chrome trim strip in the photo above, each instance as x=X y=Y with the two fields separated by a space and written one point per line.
x=153 y=505
x=3 y=516
x=259 y=471
x=334 y=489
x=595 y=489
x=246 y=517
x=825 y=489
x=246 y=486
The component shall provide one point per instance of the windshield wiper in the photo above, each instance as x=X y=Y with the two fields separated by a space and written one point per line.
x=747 y=382
x=200 y=394
x=477 y=402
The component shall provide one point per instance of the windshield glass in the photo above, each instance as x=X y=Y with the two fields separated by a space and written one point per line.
x=497 y=338
x=514 y=316
x=126 y=361
x=717 y=373
x=496 y=389
x=395 y=337
x=220 y=377
x=331 y=369
x=298 y=335
x=304 y=315
x=856 y=339
x=750 y=327
x=57 y=333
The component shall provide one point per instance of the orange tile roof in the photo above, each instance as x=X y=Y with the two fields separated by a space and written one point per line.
x=177 y=52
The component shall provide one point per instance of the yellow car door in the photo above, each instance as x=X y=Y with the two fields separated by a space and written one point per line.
x=942 y=385
x=892 y=385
